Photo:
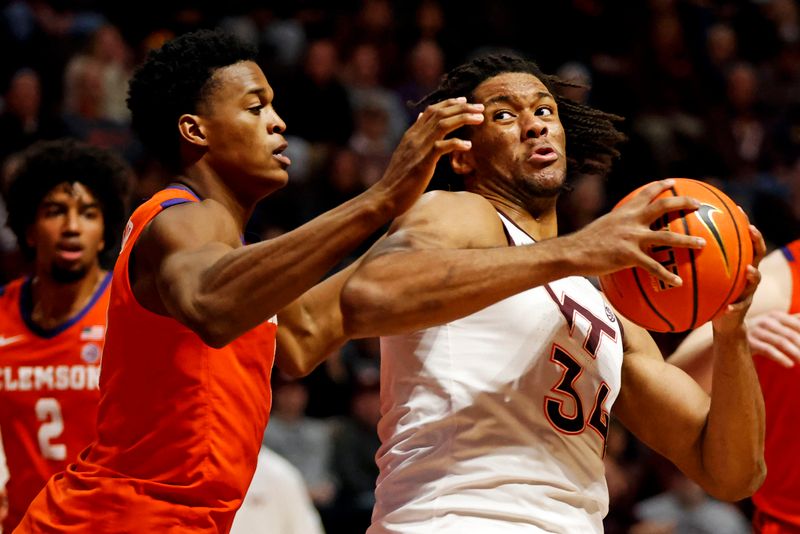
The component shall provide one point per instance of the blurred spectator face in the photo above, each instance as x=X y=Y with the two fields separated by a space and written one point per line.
x=290 y=400
x=427 y=63
x=742 y=87
x=89 y=90
x=377 y=16
x=322 y=62
x=373 y=122
x=365 y=65
x=108 y=45
x=721 y=44
x=430 y=18
x=344 y=171
x=24 y=95
x=366 y=406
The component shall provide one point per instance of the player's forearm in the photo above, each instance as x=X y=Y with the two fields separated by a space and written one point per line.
x=733 y=441
x=695 y=356
x=310 y=328
x=407 y=291
x=264 y=278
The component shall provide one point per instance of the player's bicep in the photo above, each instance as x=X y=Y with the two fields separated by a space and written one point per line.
x=659 y=403
x=178 y=248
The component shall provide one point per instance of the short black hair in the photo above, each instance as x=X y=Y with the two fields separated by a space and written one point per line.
x=174 y=80
x=46 y=164
x=592 y=136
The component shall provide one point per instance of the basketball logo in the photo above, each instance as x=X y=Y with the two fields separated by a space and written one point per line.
x=713 y=277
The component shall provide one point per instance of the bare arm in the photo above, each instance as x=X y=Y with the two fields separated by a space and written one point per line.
x=311 y=328
x=771 y=331
x=191 y=266
x=718 y=441
x=447 y=257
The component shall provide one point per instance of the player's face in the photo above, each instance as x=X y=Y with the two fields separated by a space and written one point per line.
x=521 y=143
x=243 y=131
x=67 y=233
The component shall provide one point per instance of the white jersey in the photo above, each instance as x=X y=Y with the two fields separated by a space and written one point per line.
x=496 y=423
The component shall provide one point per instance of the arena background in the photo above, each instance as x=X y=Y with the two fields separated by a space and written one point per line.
x=709 y=90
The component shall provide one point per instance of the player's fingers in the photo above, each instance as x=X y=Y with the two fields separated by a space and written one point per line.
x=753 y=277
x=445 y=146
x=659 y=271
x=445 y=126
x=651 y=191
x=658 y=208
x=450 y=107
x=673 y=239
x=759 y=246
x=768 y=351
x=788 y=337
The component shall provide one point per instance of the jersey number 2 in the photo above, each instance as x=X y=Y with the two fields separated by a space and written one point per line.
x=575 y=423
x=48 y=410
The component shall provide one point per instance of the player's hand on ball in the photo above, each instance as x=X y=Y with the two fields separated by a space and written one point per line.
x=622 y=238
x=734 y=314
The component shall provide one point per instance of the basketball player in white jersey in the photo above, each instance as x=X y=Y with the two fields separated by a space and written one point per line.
x=501 y=363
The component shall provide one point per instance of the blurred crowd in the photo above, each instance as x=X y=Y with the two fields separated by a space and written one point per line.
x=708 y=89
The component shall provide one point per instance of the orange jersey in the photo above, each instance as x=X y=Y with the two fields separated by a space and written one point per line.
x=48 y=390
x=779 y=497
x=179 y=424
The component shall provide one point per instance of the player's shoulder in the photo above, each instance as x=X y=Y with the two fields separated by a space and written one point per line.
x=190 y=224
x=467 y=218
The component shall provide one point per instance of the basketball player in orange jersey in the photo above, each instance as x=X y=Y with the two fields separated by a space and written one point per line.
x=501 y=364
x=774 y=335
x=66 y=207
x=191 y=335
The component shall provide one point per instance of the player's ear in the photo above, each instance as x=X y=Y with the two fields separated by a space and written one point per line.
x=462 y=162
x=191 y=129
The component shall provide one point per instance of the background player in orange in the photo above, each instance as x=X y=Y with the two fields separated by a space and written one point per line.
x=66 y=207
x=774 y=336
x=189 y=350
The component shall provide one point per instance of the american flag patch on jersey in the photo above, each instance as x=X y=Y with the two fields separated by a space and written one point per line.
x=92 y=333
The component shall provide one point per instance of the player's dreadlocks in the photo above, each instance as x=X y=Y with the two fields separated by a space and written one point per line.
x=591 y=134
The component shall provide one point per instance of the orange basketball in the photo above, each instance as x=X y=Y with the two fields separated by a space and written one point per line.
x=712 y=277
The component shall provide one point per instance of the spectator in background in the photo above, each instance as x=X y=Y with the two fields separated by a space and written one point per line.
x=686 y=508
x=277 y=501
x=425 y=67
x=355 y=443
x=305 y=442
x=22 y=120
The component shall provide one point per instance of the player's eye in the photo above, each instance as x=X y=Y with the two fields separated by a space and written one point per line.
x=544 y=111
x=256 y=110
x=502 y=115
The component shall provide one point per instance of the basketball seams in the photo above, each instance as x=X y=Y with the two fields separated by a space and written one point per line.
x=643 y=293
x=738 y=245
x=692 y=264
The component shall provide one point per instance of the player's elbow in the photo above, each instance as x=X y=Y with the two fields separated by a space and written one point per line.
x=206 y=319
x=742 y=484
x=360 y=303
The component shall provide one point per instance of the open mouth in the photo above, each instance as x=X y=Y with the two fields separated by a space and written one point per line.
x=278 y=154
x=69 y=251
x=543 y=154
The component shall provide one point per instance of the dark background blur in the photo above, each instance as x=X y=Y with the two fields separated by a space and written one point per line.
x=709 y=90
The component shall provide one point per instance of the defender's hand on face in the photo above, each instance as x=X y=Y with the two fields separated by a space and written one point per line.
x=623 y=237
x=414 y=159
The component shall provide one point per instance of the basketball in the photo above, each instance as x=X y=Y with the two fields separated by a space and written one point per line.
x=712 y=277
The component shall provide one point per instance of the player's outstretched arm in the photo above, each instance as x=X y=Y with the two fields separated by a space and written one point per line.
x=771 y=332
x=717 y=441
x=447 y=258
x=206 y=280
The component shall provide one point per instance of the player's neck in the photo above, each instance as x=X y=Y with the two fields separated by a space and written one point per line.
x=54 y=303
x=207 y=184
x=540 y=226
